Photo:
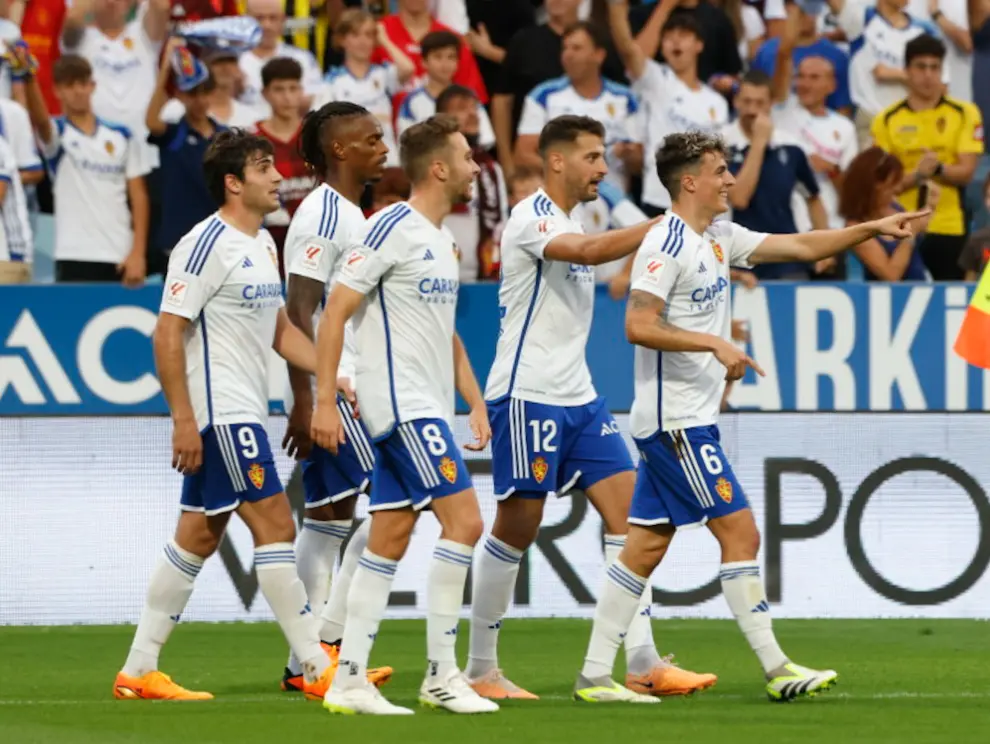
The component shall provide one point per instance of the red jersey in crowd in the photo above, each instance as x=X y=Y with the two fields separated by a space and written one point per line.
x=40 y=28
x=201 y=10
x=297 y=182
x=467 y=75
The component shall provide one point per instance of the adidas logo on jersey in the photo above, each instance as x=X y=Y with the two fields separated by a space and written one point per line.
x=702 y=268
x=609 y=427
x=247 y=263
x=428 y=256
x=763 y=606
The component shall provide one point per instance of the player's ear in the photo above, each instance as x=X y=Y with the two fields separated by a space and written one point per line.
x=232 y=184
x=556 y=161
x=440 y=170
x=688 y=183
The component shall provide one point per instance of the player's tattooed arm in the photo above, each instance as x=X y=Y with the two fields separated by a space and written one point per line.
x=647 y=325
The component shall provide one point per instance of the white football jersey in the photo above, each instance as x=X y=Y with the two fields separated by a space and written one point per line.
x=90 y=174
x=615 y=107
x=404 y=331
x=251 y=64
x=226 y=282
x=671 y=106
x=419 y=106
x=690 y=272
x=831 y=137
x=873 y=41
x=15 y=127
x=374 y=91
x=545 y=308
x=18 y=243
x=325 y=228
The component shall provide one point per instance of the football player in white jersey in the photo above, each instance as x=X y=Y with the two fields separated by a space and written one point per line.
x=221 y=312
x=343 y=144
x=551 y=430
x=678 y=318
x=401 y=286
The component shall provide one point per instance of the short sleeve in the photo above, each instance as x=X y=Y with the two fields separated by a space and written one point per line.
x=971 y=136
x=317 y=253
x=652 y=84
x=364 y=266
x=135 y=166
x=852 y=19
x=19 y=135
x=538 y=233
x=165 y=138
x=50 y=149
x=654 y=271
x=741 y=242
x=533 y=117
x=195 y=272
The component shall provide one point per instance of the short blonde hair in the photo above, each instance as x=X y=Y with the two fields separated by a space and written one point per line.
x=350 y=21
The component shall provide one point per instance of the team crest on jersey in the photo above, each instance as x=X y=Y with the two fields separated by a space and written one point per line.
x=540 y=469
x=610 y=109
x=717 y=249
x=724 y=489
x=713 y=113
x=940 y=124
x=256 y=474
x=128 y=43
x=448 y=469
x=836 y=135
x=108 y=146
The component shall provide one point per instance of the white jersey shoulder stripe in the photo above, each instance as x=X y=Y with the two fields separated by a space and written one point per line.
x=331 y=213
x=542 y=206
x=675 y=237
x=384 y=226
x=201 y=251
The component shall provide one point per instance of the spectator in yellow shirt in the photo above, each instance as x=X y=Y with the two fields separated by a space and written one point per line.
x=938 y=139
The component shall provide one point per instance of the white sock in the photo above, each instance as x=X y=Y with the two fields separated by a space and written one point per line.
x=366 y=603
x=169 y=590
x=641 y=651
x=335 y=610
x=444 y=597
x=494 y=582
x=743 y=590
x=614 y=612
x=279 y=582
x=316 y=552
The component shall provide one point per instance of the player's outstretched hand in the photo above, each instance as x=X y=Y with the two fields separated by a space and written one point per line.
x=736 y=361
x=297 y=442
x=344 y=388
x=899 y=225
x=187 y=447
x=327 y=429
x=480 y=428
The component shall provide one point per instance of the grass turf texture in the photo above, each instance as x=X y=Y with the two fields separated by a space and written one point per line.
x=900 y=681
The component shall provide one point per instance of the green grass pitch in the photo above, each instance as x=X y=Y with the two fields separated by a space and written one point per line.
x=901 y=682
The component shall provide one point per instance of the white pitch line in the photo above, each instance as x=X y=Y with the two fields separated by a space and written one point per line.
x=896 y=695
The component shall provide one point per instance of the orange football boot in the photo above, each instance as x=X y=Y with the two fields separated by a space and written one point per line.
x=669 y=679
x=297 y=683
x=494 y=685
x=153 y=686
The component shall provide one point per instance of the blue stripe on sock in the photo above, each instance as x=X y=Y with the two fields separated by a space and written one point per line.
x=377 y=568
x=497 y=551
x=327 y=529
x=633 y=584
x=735 y=573
x=442 y=554
x=180 y=563
x=618 y=541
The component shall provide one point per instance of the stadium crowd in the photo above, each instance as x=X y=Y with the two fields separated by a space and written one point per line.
x=833 y=113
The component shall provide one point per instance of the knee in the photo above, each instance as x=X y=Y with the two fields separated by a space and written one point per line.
x=389 y=535
x=517 y=522
x=202 y=544
x=742 y=545
x=279 y=529
x=467 y=531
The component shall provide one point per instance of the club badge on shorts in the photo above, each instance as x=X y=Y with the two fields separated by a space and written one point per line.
x=724 y=489
x=448 y=469
x=540 y=469
x=256 y=474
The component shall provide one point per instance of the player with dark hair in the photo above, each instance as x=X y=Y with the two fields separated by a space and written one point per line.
x=221 y=312
x=343 y=145
x=552 y=432
x=678 y=318
x=401 y=286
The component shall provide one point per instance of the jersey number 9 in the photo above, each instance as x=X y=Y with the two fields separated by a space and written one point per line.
x=249 y=443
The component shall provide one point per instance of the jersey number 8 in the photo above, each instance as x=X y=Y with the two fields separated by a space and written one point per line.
x=435 y=442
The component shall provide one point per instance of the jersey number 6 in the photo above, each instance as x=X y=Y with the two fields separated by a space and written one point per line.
x=709 y=455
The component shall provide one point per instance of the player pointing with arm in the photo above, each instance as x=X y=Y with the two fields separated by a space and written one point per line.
x=343 y=145
x=678 y=317
x=221 y=311
x=552 y=431
x=401 y=286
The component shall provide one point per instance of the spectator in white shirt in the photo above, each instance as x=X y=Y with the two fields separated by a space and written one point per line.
x=876 y=67
x=15 y=126
x=827 y=137
x=270 y=15
x=96 y=171
x=124 y=58
x=15 y=229
x=224 y=107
